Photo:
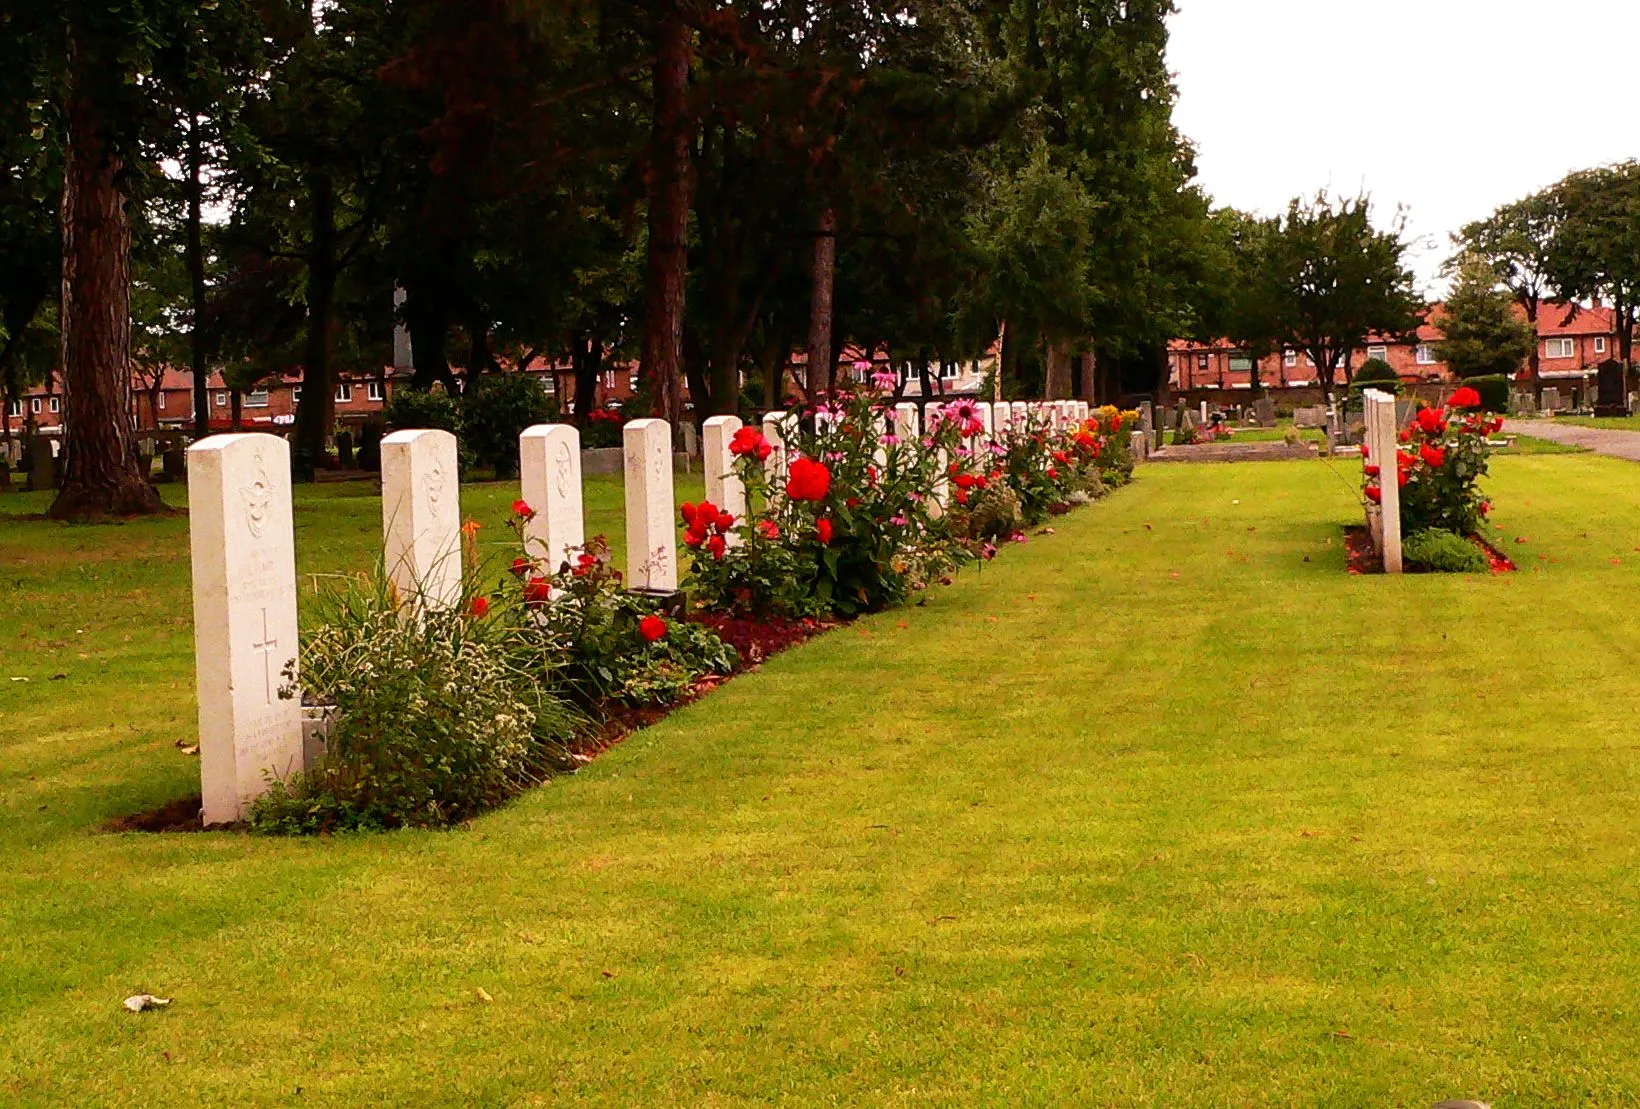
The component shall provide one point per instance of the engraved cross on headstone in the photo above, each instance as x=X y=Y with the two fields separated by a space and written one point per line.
x=265 y=648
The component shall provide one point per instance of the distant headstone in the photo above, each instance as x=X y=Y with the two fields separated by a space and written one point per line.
x=1612 y=398
x=651 y=534
x=906 y=427
x=42 y=465
x=550 y=469
x=370 y=447
x=1384 y=518
x=174 y=463
x=1310 y=416
x=1265 y=411
x=1524 y=404
x=1002 y=417
x=779 y=428
x=403 y=358
x=421 y=516
x=691 y=441
x=723 y=487
x=243 y=549
x=344 y=449
x=1551 y=400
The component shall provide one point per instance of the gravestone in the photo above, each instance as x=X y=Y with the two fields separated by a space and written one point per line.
x=723 y=487
x=1551 y=400
x=174 y=463
x=1524 y=404
x=1002 y=414
x=550 y=468
x=370 y=447
x=651 y=535
x=984 y=412
x=1264 y=410
x=906 y=425
x=1612 y=398
x=344 y=449
x=421 y=516
x=1310 y=416
x=1021 y=415
x=243 y=550
x=42 y=465
x=1384 y=518
x=779 y=428
x=691 y=442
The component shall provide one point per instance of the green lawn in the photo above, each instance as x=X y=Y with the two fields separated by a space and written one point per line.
x=1615 y=423
x=1164 y=808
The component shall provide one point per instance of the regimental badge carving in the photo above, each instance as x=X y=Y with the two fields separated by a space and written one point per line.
x=562 y=467
x=257 y=497
x=435 y=485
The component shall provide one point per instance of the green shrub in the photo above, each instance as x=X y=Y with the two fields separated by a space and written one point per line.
x=437 y=716
x=495 y=409
x=1494 y=391
x=1375 y=373
x=414 y=409
x=1443 y=551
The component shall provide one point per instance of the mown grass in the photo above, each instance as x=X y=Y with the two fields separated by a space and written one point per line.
x=1613 y=423
x=1162 y=808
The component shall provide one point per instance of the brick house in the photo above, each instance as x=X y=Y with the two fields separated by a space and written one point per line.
x=1572 y=341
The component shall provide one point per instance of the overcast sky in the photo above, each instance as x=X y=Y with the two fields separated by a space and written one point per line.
x=1451 y=107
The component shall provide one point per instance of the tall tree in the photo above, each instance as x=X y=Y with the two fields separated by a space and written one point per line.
x=1483 y=333
x=1335 y=280
x=1596 y=247
x=1516 y=242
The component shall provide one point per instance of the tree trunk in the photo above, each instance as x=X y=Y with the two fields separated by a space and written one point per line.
x=822 y=284
x=667 y=265
x=426 y=317
x=1057 y=385
x=589 y=354
x=196 y=280
x=101 y=477
x=1088 y=364
x=236 y=410
x=316 y=412
x=1535 y=362
x=1007 y=361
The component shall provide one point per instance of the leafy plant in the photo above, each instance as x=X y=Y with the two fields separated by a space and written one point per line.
x=1443 y=551
x=1438 y=465
x=495 y=410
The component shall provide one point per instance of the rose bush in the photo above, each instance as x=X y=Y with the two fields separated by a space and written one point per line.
x=1438 y=466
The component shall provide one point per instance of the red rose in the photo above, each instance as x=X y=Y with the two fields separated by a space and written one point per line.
x=810 y=480
x=725 y=521
x=479 y=606
x=1370 y=471
x=853 y=502
x=585 y=565
x=1434 y=457
x=652 y=628
x=749 y=440
x=1053 y=474
x=523 y=511
x=1486 y=507
x=537 y=592
x=716 y=545
x=521 y=566
x=1406 y=435
x=769 y=529
x=822 y=528
x=1465 y=397
x=694 y=537
x=962 y=496
x=1061 y=457
x=1432 y=421
x=1375 y=494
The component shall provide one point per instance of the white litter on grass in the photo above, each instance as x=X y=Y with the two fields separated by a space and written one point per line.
x=140 y=1001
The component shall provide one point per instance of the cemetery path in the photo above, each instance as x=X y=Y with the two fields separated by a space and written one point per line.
x=1607 y=441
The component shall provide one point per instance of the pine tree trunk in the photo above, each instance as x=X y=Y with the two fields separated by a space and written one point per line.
x=661 y=363
x=1058 y=383
x=822 y=284
x=101 y=477
x=589 y=354
x=316 y=412
x=196 y=280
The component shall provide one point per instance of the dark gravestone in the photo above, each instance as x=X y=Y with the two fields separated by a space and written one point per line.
x=1614 y=395
x=175 y=463
x=5 y=474
x=42 y=465
x=344 y=449
x=370 y=447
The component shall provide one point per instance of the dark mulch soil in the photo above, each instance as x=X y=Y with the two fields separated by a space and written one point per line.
x=758 y=640
x=181 y=815
x=1362 y=559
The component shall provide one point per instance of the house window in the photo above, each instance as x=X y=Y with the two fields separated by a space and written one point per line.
x=373 y=390
x=951 y=370
x=14 y=408
x=1600 y=344
x=256 y=398
x=295 y=394
x=56 y=404
x=1559 y=348
x=1380 y=353
x=1426 y=354
x=1289 y=358
x=1241 y=364
x=344 y=393
x=1201 y=361
x=161 y=402
x=609 y=379
x=34 y=405
x=222 y=400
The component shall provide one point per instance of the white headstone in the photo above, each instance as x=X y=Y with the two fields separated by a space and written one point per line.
x=779 y=428
x=421 y=516
x=1021 y=413
x=243 y=546
x=651 y=535
x=1382 y=447
x=1001 y=417
x=550 y=466
x=723 y=488
x=907 y=426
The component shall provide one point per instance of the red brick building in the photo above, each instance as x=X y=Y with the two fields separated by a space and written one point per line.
x=1572 y=341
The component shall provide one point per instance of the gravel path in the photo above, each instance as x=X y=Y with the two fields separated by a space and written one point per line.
x=1618 y=444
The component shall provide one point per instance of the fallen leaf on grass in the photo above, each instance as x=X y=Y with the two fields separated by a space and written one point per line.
x=190 y=749
x=1520 y=539
x=610 y=973
x=483 y=994
x=137 y=1002
x=1340 y=1034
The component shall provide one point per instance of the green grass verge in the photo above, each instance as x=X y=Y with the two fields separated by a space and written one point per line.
x=1611 y=423
x=1163 y=808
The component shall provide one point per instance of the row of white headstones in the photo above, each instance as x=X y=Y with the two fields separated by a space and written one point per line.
x=243 y=545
